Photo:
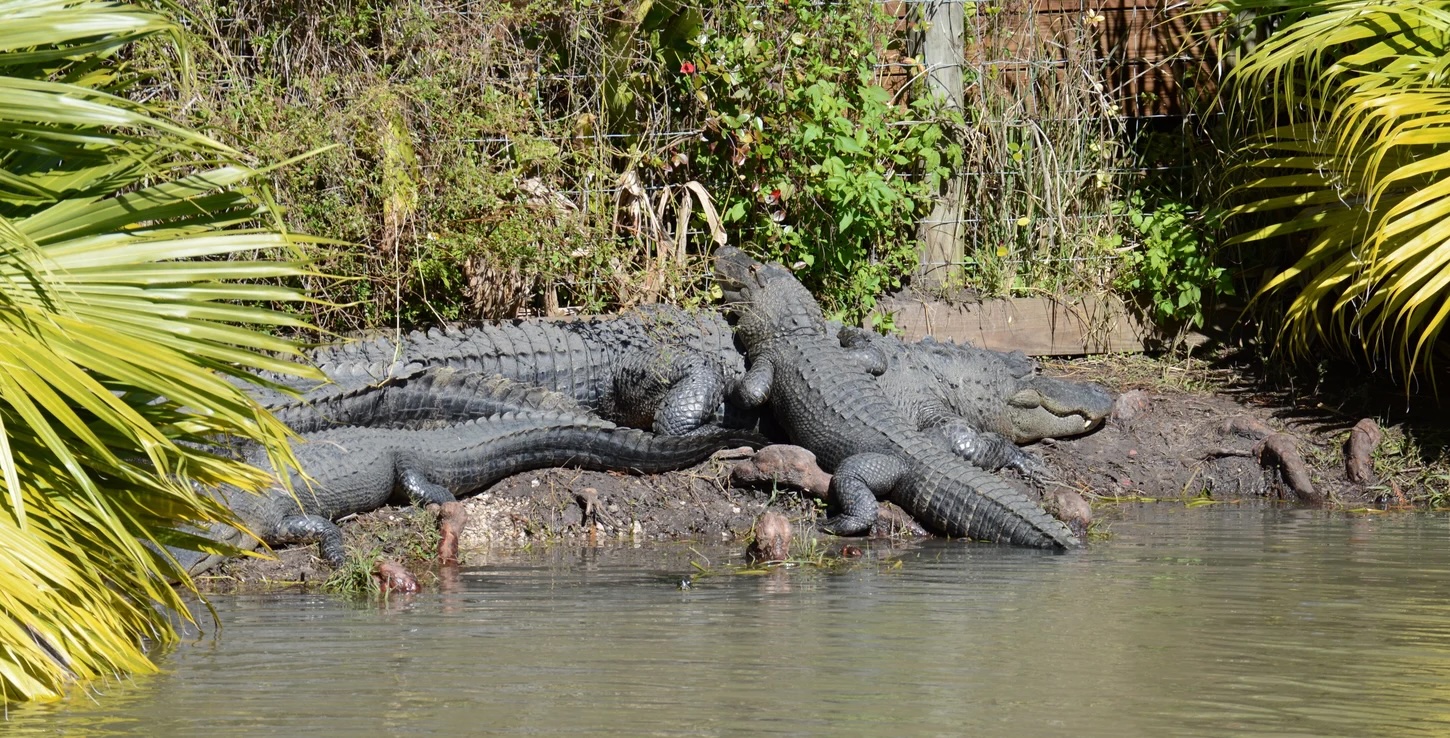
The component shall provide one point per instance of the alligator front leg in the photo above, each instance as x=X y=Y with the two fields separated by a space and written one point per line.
x=312 y=529
x=991 y=451
x=859 y=481
x=754 y=388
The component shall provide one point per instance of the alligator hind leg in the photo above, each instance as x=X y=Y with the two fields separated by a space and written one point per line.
x=991 y=451
x=313 y=529
x=859 y=481
x=424 y=493
x=692 y=399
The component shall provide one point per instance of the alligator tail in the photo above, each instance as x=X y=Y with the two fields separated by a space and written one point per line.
x=604 y=449
x=993 y=509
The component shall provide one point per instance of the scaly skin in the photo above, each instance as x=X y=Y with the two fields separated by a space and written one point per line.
x=660 y=368
x=429 y=397
x=981 y=403
x=828 y=405
x=355 y=470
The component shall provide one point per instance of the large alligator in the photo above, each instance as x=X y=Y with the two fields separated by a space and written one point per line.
x=981 y=403
x=828 y=405
x=661 y=368
x=354 y=470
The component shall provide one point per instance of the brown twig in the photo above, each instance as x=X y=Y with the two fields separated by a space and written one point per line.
x=394 y=579
x=451 y=519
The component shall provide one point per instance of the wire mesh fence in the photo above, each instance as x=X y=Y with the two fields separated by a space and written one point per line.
x=1058 y=95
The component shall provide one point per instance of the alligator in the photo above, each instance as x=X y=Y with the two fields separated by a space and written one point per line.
x=981 y=403
x=659 y=368
x=354 y=470
x=827 y=405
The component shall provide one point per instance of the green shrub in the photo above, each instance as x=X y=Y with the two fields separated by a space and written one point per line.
x=1169 y=262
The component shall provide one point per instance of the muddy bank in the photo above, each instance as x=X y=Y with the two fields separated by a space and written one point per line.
x=545 y=509
x=1166 y=441
x=1222 y=441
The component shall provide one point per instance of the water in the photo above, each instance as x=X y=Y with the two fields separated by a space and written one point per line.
x=1218 y=621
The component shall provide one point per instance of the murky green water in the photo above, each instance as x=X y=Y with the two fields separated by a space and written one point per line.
x=1218 y=621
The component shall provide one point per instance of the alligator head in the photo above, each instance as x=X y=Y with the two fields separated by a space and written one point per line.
x=991 y=390
x=766 y=299
x=1046 y=407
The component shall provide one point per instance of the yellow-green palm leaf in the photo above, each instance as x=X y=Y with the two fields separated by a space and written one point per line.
x=128 y=258
x=1350 y=152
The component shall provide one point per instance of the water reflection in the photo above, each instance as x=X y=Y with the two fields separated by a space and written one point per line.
x=1221 y=621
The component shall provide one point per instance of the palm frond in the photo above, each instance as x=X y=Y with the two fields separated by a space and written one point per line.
x=130 y=271
x=1350 y=151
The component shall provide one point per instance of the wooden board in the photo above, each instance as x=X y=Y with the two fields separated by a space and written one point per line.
x=1039 y=326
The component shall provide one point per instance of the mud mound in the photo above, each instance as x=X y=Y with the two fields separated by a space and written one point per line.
x=1175 y=444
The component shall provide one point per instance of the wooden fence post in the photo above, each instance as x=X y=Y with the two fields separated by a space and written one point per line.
x=942 y=241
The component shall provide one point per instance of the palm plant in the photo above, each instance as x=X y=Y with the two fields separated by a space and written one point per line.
x=124 y=246
x=1348 y=106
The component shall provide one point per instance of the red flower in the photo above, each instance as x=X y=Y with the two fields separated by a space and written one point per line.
x=687 y=68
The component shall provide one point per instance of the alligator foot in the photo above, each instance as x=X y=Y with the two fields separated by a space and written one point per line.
x=313 y=529
x=421 y=491
x=859 y=480
x=451 y=519
x=991 y=451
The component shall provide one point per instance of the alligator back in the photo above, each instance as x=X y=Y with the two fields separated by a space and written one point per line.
x=425 y=398
x=659 y=367
x=831 y=407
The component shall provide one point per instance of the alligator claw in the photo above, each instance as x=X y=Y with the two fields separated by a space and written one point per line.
x=1032 y=466
x=847 y=525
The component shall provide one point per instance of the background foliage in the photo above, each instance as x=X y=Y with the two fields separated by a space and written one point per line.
x=814 y=162
x=497 y=158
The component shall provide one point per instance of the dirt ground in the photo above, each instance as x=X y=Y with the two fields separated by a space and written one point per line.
x=1179 y=432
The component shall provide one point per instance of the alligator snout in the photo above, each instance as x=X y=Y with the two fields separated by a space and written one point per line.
x=1051 y=408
